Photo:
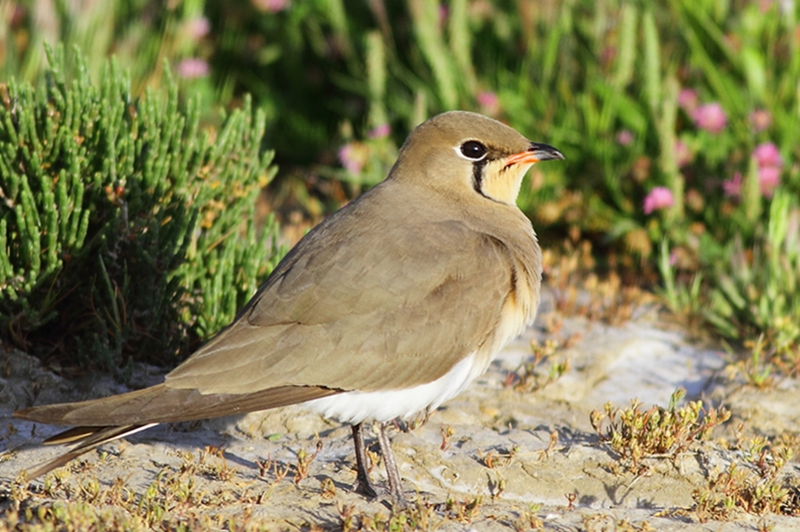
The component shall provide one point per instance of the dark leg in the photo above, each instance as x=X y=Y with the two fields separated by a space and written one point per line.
x=364 y=485
x=395 y=486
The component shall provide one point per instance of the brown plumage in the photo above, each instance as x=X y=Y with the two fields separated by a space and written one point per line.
x=389 y=306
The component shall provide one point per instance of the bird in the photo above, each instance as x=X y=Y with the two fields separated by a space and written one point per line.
x=387 y=308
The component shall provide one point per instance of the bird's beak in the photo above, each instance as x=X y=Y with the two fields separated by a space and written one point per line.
x=502 y=177
x=535 y=153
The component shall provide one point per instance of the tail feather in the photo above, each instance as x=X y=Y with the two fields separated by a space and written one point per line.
x=90 y=438
x=103 y=420
x=75 y=434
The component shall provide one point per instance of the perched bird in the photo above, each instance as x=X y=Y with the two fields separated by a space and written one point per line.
x=389 y=307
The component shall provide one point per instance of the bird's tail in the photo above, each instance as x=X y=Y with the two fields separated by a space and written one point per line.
x=103 y=420
x=88 y=438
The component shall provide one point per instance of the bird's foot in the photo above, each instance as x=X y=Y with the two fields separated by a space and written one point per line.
x=399 y=502
x=366 y=488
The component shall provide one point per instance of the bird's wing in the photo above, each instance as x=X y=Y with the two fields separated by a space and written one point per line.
x=360 y=309
x=159 y=404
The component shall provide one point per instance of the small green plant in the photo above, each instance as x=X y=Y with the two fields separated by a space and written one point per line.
x=126 y=228
x=463 y=510
x=278 y=472
x=447 y=432
x=759 y=290
x=546 y=367
x=498 y=460
x=635 y=434
x=757 y=369
x=417 y=516
x=755 y=296
x=303 y=466
x=210 y=463
x=684 y=299
x=200 y=495
x=529 y=519
x=755 y=484
x=603 y=521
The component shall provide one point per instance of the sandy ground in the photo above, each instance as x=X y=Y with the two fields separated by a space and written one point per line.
x=503 y=455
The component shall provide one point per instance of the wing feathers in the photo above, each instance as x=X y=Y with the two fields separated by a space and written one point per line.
x=160 y=404
x=387 y=326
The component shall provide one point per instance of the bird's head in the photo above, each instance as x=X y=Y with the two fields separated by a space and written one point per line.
x=467 y=153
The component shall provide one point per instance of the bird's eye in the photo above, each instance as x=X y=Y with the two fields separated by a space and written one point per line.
x=472 y=149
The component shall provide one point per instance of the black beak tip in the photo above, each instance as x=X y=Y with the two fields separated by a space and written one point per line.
x=545 y=152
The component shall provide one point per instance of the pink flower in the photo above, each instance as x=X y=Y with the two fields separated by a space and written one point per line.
x=198 y=27
x=767 y=154
x=607 y=55
x=687 y=99
x=769 y=178
x=760 y=120
x=193 y=68
x=17 y=15
x=711 y=117
x=489 y=102
x=271 y=6
x=770 y=163
x=443 y=14
x=765 y=5
x=348 y=155
x=733 y=187
x=682 y=153
x=658 y=198
x=625 y=137
x=379 y=132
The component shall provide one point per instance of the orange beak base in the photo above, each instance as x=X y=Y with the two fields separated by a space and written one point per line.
x=537 y=152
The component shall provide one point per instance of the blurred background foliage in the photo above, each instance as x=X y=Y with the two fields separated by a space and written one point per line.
x=680 y=119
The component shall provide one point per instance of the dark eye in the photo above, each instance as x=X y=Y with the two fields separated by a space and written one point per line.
x=472 y=149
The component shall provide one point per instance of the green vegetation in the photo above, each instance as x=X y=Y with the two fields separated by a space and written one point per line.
x=680 y=120
x=125 y=227
x=759 y=482
x=635 y=434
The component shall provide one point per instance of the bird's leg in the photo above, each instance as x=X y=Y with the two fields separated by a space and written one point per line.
x=395 y=486
x=364 y=485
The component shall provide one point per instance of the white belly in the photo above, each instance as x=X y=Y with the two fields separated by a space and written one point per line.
x=356 y=407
